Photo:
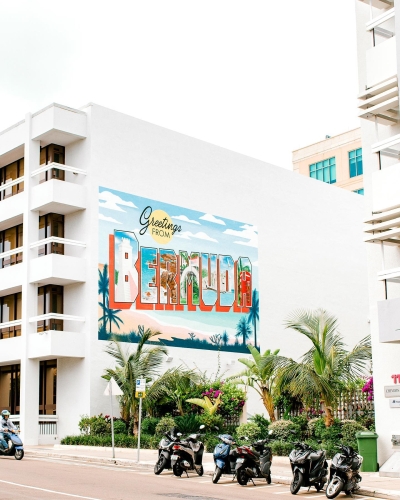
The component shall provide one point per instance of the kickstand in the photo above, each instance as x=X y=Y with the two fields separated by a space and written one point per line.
x=251 y=479
x=234 y=477
x=309 y=488
x=187 y=473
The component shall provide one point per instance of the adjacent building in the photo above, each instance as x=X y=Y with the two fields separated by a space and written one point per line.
x=110 y=225
x=335 y=160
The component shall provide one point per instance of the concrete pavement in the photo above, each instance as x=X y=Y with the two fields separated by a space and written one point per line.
x=372 y=485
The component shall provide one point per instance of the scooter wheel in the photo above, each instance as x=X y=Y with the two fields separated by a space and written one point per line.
x=296 y=483
x=19 y=454
x=217 y=474
x=160 y=465
x=177 y=470
x=200 y=470
x=242 y=477
x=334 y=487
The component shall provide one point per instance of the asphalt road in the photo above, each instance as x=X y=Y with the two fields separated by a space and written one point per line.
x=56 y=479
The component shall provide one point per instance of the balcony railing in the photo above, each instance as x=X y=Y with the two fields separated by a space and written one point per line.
x=57 y=166
x=53 y=321
x=55 y=245
x=10 y=329
x=9 y=186
x=11 y=257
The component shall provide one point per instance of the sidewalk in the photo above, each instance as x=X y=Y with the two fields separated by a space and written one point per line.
x=372 y=484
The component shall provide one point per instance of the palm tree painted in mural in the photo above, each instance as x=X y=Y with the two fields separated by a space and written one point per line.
x=103 y=290
x=225 y=338
x=243 y=330
x=111 y=315
x=254 y=314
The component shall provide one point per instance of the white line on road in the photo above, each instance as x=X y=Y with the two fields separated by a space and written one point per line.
x=280 y=492
x=48 y=491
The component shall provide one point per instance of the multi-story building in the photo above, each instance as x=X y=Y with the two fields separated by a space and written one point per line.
x=94 y=241
x=378 y=68
x=336 y=160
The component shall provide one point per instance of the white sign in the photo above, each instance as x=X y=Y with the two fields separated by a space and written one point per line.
x=394 y=403
x=115 y=390
x=392 y=391
x=140 y=385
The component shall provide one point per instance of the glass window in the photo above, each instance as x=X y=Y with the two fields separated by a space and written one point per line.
x=10 y=388
x=359 y=191
x=355 y=162
x=10 y=239
x=50 y=300
x=48 y=387
x=10 y=173
x=51 y=225
x=10 y=310
x=324 y=170
x=52 y=154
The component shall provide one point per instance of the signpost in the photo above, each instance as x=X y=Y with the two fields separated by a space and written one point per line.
x=112 y=389
x=140 y=393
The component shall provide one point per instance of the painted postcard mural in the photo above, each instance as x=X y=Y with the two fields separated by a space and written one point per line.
x=190 y=275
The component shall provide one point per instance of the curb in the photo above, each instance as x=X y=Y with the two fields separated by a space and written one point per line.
x=369 y=492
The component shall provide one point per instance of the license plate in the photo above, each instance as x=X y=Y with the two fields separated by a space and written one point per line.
x=240 y=460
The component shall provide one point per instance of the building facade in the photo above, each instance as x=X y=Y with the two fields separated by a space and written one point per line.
x=109 y=225
x=336 y=160
x=378 y=69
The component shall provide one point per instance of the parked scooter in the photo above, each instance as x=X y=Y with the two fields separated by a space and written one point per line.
x=188 y=455
x=15 y=447
x=344 y=471
x=309 y=467
x=254 y=462
x=165 y=451
x=224 y=457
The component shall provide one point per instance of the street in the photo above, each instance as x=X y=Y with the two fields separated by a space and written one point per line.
x=54 y=479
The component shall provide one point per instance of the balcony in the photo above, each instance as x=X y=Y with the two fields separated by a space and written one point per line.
x=381 y=63
x=55 y=269
x=389 y=320
x=56 y=344
x=55 y=196
x=11 y=350
x=379 y=4
x=11 y=277
x=11 y=209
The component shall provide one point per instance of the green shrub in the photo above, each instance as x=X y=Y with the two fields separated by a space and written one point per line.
x=187 y=423
x=164 y=425
x=233 y=399
x=282 y=430
x=149 y=425
x=121 y=441
x=99 y=426
x=250 y=430
x=212 y=421
x=262 y=423
x=281 y=448
x=210 y=442
x=120 y=427
x=84 y=424
x=349 y=429
x=311 y=426
x=302 y=422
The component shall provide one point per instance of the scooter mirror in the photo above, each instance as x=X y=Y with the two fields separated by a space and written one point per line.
x=202 y=427
x=179 y=434
x=270 y=432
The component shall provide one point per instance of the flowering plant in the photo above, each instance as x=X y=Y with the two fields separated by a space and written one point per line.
x=369 y=388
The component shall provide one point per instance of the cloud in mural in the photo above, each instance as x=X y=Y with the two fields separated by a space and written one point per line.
x=249 y=233
x=108 y=219
x=188 y=235
x=211 y=218
x=112 y=201
x=185 y=219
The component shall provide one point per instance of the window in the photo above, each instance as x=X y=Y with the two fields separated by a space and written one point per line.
x=324 y=170
x=126 y=255
x=126 y=278
x=355 y=162
x=48 y=387
x=49 y=154
x=51 y=225
x=359 y=191
x=50 y=300
x=10 y=310
x=10 y=388
x=10 y=239
x=10 y=173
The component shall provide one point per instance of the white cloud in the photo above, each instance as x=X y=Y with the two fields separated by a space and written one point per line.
x=111 y=201
x=187 y=235
x=211 y=218
x=184 y=218
x=108 y=219
x=248 y=233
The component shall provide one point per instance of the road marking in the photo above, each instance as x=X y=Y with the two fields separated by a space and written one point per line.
x=48 y=491
x=311 y=496
x=280 y=492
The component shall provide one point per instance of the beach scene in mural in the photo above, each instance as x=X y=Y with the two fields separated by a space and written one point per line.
x=192 y=276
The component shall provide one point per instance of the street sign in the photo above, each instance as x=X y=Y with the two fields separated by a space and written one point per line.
x=394 y=403
x=140 y=385
x=392 y=391
x=115 y=390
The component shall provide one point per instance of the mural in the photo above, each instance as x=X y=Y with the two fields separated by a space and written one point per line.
x=190 y=275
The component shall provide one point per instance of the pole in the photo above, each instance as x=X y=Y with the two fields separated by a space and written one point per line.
x=139 y=429
x=112 y=421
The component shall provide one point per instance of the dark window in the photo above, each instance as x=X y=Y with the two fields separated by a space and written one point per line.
x=10 y=173
x=50 y=300
x=10 y=239
x=48 y=387
x=52 y=154
x=126 y=278
x=10 y=310
x=51 y=225
x=10 y=388
x=126 y=255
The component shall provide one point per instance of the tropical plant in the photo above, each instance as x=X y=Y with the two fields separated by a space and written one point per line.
x=165 y=424
x=250 y=431
x=225 y=337
x=111 y=315
x=243 y=330
x=254 y=314
x=103 y=290
x=209 y=407
x=260 y=374
x=179 y=387
x=326 y=367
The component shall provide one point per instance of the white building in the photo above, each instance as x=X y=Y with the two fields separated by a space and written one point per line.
x=378 y=35
x=52 y=163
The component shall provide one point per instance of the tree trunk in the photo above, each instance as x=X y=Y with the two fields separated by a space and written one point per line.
x=328 y=414
x=269 y=404
x=255 y=332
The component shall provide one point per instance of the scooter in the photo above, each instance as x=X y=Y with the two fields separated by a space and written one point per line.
x=15 y=447
x=224 y=457
x=309 y=467
x=254 y=462
x=165 y=451
x=188 y=455
x=344 y=471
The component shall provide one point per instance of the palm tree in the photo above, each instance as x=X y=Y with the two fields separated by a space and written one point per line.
x=254 y=314
x=225 y=338
x=260 y=374
x=243 y=330
x=111 y=315
x=327 y=366
x=179 y=385
x=103 y=289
